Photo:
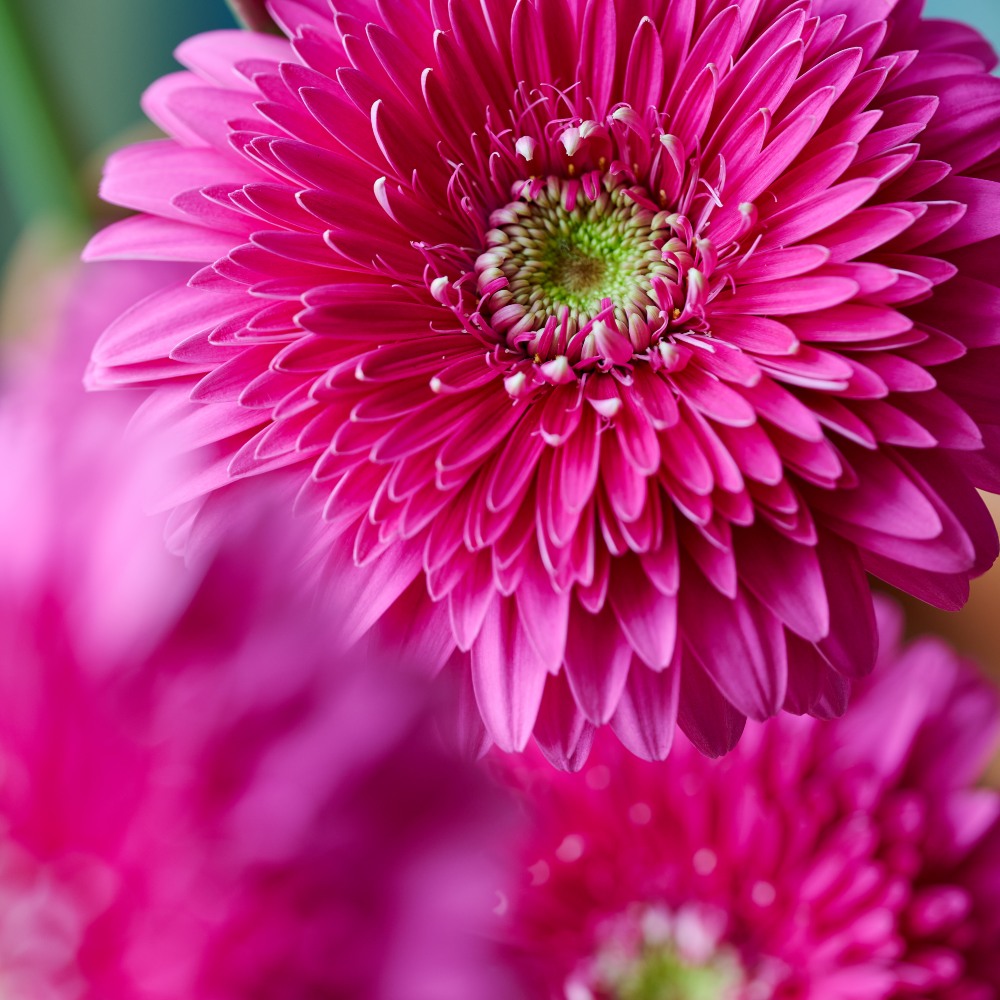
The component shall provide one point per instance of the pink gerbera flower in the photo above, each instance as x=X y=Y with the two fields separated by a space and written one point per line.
x=610 y=342
x=842 y=861
x=202 y=795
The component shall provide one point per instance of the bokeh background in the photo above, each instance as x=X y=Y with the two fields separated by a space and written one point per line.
x=71 y=73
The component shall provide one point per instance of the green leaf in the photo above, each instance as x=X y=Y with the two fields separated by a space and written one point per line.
x=37 y=163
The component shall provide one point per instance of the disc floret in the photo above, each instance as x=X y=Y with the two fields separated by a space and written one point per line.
x=582 y=269
x=654 y=953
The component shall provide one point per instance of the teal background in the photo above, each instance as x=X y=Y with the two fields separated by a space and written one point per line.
x=96 y=57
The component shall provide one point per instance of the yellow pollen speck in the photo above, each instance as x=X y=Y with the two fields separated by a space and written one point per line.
x=571 y=169
x=537 y=359
x=602 y=162
x=675 y=313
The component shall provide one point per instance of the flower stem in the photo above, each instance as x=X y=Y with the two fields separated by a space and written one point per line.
x=36 y=161
x=253 y=14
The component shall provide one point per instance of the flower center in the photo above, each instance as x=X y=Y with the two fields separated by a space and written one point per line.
x=651 y=953
x=661 y=974
x=566 y=253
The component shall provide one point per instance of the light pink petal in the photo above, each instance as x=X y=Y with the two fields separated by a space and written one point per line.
x=507 y=675
x=647 y=617
x=597 y=661
x=562 y=732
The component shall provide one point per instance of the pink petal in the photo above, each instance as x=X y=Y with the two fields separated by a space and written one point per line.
x=507 y=675
x=647 y=617
x=561 y=731
x=738 y=643
x=786 y=577
x=708 y=720
x=597 y=661
x=647 y=712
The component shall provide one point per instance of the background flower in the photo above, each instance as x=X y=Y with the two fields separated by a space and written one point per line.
x=603 y=380
x=851 y=859
x=203 y=795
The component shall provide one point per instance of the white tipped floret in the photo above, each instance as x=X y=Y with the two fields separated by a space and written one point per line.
x=607 y=408
x=439 y=288
x=697 y=286
x=525 y=147
x=571 y=140
x=557 y=371
x=668 y=354
x=611 y=343
x=516 y=385
x=629 y=117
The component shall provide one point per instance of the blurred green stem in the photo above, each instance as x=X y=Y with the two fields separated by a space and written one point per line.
x=253 y=14
x=36 y=161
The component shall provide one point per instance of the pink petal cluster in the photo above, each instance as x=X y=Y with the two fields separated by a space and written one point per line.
x=852 y=860
x=609 y=343
x=202 y=795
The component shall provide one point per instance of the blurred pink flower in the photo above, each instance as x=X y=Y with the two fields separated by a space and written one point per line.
x=849 y=860
x=203 y=796
x=610 y=343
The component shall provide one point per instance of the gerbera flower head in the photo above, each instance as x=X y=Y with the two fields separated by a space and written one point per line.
x=202 y=794
x=850 y=859
x=609 y=343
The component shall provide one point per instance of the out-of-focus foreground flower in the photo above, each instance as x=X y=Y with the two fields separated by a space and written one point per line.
x=850 y=860
x=612 y=342
x=201 y=795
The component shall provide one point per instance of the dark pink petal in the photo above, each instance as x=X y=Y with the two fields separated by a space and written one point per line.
x=814 y=688
x=647 y=712
x=708 y=720
x=769 y=559
x=851 y=646
x=739 y=644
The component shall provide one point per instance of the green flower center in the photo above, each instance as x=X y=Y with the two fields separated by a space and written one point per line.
x=557 y=252
x=661 y=974
x=583 y=260
x=652 y=953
